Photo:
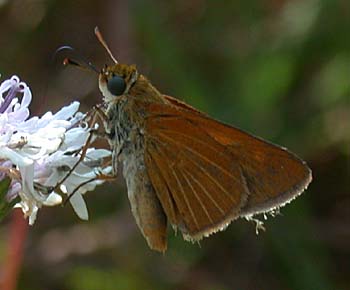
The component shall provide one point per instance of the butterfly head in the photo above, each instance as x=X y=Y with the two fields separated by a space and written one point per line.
x=116 y=80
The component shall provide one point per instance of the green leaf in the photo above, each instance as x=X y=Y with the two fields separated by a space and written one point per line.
x=5 y=206
x=4 y=186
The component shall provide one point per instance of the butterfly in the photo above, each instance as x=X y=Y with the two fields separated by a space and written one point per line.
x=186 y=169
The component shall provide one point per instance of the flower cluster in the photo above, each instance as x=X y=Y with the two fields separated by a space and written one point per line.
x=43 y=155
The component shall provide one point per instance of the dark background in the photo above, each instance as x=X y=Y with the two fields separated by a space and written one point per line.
x=278 y=69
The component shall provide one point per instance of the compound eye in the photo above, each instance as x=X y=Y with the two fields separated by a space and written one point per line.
x=116 y=85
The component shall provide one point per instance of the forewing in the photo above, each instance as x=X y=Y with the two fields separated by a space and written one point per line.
x=206 y=173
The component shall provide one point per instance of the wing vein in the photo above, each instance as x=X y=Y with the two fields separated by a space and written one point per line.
x=185 y=198
x=197 y=197
x=200 y=167
x=206 y=193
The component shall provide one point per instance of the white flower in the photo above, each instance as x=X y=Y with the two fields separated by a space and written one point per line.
x=43 y=150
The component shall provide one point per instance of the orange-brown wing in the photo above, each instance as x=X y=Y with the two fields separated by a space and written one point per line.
x=206 y=173
x=275 y=175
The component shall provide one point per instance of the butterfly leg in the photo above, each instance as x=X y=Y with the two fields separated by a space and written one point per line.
x=93 y=120
x=99 y=176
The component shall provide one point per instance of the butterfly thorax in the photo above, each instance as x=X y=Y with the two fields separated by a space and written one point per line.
x=120 y=126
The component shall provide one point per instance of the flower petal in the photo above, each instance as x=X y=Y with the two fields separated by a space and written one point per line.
x=79 y=206
x=27 y=96
x=67 y=112
x=16 y=158
x=53 y=199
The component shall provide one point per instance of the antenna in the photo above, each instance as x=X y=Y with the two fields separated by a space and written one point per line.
x=103 y=42
x=69 y=61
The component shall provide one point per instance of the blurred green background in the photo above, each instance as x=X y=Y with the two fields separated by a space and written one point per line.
x=279 y=69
